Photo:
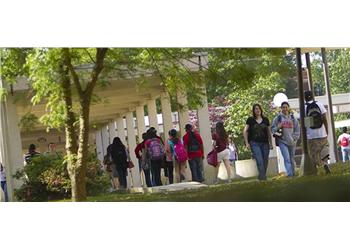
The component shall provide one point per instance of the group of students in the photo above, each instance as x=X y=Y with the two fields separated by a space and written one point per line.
x=286 y=131
x=154 y=154
x=171 y=155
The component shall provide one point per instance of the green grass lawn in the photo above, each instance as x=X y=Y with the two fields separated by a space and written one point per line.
x=334 y=187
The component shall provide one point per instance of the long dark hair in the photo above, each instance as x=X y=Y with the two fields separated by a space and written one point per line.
x=116 y=145
x=173 y=134
x=259 y=106
x=220 y=130
x=151 y=133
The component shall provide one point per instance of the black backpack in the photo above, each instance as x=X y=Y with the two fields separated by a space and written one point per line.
x=314 y=112
x=193 y=143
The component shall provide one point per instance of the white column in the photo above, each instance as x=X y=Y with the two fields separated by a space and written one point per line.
x=205 y=131
x=121 y=129
x=166 y=113
x=99 y=145
x=152 y=113
x=183 y=120
x=140 y=119
x=183 y=113
x=204 y=124
x=112 y=130
x=105 y=139
x=132 y=145
x=10 y=142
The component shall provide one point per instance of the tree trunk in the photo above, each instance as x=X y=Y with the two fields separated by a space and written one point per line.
x=79 y=192
x=78 y=155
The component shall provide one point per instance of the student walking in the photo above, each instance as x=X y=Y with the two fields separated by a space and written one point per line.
x=344 y=142
x=178 y=153
x=285 y=129
x=144 y=165
x=317 y=131
x=169 y=163
x=194 y=145
x=221 y=143
x=155 y=153
x=119 y=156
x=257 y=137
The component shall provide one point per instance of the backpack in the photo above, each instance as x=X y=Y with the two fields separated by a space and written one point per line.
x=344 y=141
x=156 y=150
x=314 y=112
x=193 y=143
x=180 y=152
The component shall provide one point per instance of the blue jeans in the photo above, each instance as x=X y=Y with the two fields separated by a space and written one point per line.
x=196 y=166
x=4 y=188
x=346 y=154
x=261 y=153
x=288 y=153
x=147 y=173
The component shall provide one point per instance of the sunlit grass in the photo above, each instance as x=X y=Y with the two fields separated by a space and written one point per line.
x=334 y=187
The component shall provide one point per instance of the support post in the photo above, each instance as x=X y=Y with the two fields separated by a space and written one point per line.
x=112 y=130
x=331 y=128
x=105 y=139
x=121 y=129
x=182 y=111
x=135 y=173
x=309 y=74
x=99 y=145
x=10 y=142
x=140 y=119
x=166 y=113
x=152 y=114
x=306 y=166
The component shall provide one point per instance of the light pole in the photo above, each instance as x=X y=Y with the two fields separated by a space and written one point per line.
x=306 y=166
x=331 y=130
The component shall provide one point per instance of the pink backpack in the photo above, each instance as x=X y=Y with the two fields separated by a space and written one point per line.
x=344 y=141
x=180 y=152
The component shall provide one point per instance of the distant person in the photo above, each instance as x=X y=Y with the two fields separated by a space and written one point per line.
x=233 y=155
x=257 y=138
x=178 y=153
x=155 y=154
x=51 y=150
x=119 y=156
x=31 y=153
x=221 y=143
x=194 y=145
x=169 y=161
x=285 y=129
x=142 y=159
x=3 y=181
x=317 y=132
x=344 y=142
x=111 y=170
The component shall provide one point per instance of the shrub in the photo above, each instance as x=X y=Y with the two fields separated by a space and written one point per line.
x=46 y=178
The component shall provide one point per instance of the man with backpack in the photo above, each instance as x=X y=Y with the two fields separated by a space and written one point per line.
x=344 y=142
x=194 y=145
x=317 y=131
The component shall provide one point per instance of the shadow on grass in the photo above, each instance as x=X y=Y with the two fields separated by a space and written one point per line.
x=325 y=188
